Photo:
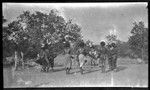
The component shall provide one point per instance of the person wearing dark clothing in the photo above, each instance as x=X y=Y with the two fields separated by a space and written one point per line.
x=102 y=55
x=68 y=62
x=43 y=60
x=82 y=59
x=51 y=58
x=109 y=57
x=112 y=57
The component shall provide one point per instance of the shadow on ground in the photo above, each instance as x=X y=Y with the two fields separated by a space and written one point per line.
x=56 y=70
x=85 y=71
x=120 y=68
x=58 y=65
x=74 y=72
x=60 y=69
x=91 y=71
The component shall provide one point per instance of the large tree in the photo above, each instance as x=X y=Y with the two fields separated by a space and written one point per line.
x=8 y=45
x=139 y=39
x=35 y=29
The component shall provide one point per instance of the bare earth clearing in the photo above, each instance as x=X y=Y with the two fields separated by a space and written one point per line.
x=129 y=74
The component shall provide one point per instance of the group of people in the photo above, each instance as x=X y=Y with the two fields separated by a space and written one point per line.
x=104 y=53
x=109 y=53
x=46 y=59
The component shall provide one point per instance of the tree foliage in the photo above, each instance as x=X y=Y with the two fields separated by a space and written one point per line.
x=35 y=29
x=138 y=41
x=111 y=38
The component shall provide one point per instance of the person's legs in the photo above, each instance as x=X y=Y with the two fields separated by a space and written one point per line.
x=110 y=63
x=81 y=70
x=68 y=67
x=81 y=67
x=94 y=62
x=47 y=67
x=67 y=70
x=47 y=63
x=115 y=63
x=44 y=64
x=91 y=63
x=52 y=64
x=103 y=65
x=42 y=69
x=99 y=62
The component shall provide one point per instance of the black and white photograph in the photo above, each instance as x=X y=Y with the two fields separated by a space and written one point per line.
x=102 y=44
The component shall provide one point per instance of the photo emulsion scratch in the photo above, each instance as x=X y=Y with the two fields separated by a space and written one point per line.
x=75 y=44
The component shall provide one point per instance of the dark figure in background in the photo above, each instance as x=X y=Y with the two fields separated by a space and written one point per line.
x=92 y=54
x=51 y=58
x=112 y=57
x=68 y=63
x=102 y=55
x=82 y=59
x=43 y=60
x=115 y=56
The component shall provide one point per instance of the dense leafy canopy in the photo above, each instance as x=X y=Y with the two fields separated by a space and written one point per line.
x=36 y=29
x=139 y=40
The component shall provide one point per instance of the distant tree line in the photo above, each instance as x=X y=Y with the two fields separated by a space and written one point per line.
x=137 y=44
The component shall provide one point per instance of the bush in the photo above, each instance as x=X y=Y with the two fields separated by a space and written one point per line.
x=145 y=58
x=7 y=63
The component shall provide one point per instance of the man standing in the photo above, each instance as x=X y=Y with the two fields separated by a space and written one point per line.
x=68 y=60
x=43 y=60
x=109 y=57
x=51 y=57
x=82 y=59
x=102 y=55
x=112 y=57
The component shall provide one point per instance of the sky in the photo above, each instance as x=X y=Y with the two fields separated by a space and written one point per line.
x=96 y=19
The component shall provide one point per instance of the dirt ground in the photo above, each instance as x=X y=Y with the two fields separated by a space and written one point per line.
x=129 y=74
